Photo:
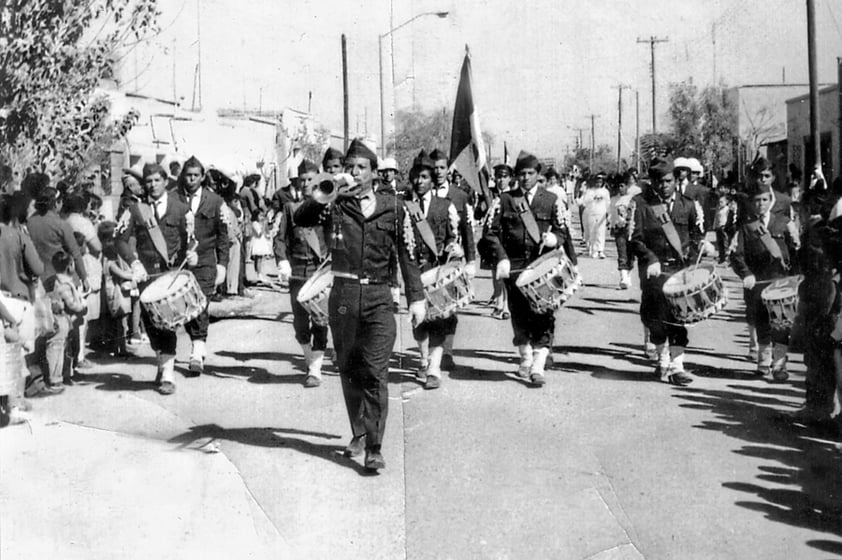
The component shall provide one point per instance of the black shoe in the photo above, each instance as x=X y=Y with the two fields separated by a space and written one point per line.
x=432 y=382
x=374 y=460
x=355 y=447
x=680 y=379
x=50 y=390
x=447 y=362
x=68 y=381
x=196 y=368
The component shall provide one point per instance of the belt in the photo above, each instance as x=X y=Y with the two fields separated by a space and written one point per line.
x=363 y=281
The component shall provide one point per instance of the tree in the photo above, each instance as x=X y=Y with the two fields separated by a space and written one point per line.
x=415 y=130
x=604 y=159
x=313 y=145
x=53 y=55
x=703 y=125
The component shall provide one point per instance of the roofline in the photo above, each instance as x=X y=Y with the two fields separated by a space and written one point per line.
x=777 y=85
x=826 y=89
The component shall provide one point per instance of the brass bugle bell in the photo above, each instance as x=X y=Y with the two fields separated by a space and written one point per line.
x=324 y=188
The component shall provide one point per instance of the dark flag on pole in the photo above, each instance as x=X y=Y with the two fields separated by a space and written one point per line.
x=505 y=153
x=467 y=149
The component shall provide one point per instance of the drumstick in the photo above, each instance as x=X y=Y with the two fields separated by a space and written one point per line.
x=699 y=256
x=180 y=268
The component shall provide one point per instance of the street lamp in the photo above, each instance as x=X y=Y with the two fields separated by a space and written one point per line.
x=380 y=58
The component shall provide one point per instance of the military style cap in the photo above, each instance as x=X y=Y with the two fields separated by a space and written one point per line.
x=332 y=153
x=192 y=162
x=437 y=155
x=423 y=160
x=525 y=160
x=660 y=168
x=503 y=167
x=307 y=166
x=681 y=162
x=358 y=149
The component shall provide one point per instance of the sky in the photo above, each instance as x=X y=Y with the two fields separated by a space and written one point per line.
x=540 y=67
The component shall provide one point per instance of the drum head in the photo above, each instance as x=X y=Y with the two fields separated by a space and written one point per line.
x=316 y=284
x=687 y=279
x=168 y=283
x=540 y=267
x=782 y=288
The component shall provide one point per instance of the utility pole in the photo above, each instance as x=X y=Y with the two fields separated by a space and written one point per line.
x=713 y=38
x=199 y=51
x=620 y=89
x=345 y=89
x=839 y=93
x=814 y=85
x=593 y=141
x=637 y=130
x=652 y=40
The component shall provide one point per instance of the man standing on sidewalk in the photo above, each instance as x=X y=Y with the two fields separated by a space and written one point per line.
x=363 y=230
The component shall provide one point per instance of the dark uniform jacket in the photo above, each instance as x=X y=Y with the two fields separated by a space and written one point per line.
x=752 y=257
x=444 y=222
x=507 y=236
x=648 y=239
x=210 y=231
x=461 y=201
x=291 y=244
x=362 y=246
x=173 y=226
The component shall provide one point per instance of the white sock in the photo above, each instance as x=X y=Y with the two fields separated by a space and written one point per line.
x=167 y=363
x=539 y=359
x=315 y=365
x=434 y=364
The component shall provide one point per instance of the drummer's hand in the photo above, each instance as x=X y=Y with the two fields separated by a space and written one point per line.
x=192 y=258
x=139 y=274
x=417 y=312
x=220 y=275
x=653 y=270
x=504 y=269
x=749 y=282
x=284 y=271
x=454 y=251
x=471 y=269
x=549 y=240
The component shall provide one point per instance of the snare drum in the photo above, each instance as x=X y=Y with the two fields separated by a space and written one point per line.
x=781 y=301
x=173 y=299
x=314 y=295
x=695 y=293
x=446 y=289
x=549 y=281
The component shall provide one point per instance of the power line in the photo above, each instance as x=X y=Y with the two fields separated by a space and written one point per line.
x=652 y=41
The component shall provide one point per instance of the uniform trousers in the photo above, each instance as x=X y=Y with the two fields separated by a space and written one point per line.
x=306 y=331
x=758 y=317
x=197 y=329
x=817 y=302
x=364 y=333
x=436 y=330
x=529 y=327
x=657 y=315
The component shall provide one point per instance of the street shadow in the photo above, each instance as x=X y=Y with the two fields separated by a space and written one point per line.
x=589 y=310
x=799 y=482
x=119 y=382
x=277 y=438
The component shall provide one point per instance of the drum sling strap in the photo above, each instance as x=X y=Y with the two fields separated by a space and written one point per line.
x=422 y=225
x=757 y=228
x=528 y=219
x=145 y=215
x=663 y=217
x=309 y=236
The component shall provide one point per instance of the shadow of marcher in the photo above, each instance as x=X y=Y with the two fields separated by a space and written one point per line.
x=800 y=483
x=271 y=438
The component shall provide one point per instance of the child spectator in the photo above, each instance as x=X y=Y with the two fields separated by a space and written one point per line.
x=724 y=224
x=69 y=310
x=118 y=289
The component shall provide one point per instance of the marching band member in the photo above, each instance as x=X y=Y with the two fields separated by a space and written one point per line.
x=762 y=252
x=300 y=251
x=431 y=225
x=212 y=244
x=504 y=176
x=618 y=221
x=461 y=200
x=666 y=238
x=153 y=237
x=524 y=221
x=364 y=229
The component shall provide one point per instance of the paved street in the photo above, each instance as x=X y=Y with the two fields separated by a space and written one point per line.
x=603 y=462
